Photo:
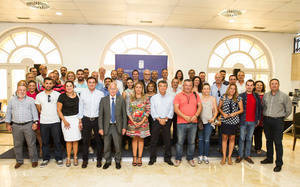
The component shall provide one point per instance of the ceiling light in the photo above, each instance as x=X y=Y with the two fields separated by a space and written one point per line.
x=231 y=13
x=58 y=13
x=37 y=4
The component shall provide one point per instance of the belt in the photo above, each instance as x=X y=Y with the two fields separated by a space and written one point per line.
x=273 y=117
x=91 y=119
x=22 y=123
x=112 y=123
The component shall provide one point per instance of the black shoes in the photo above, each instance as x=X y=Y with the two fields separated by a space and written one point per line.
x=238 y=159
x=249 y=160
x=99 y=164
x=277 y=169
x=151 y=162
x=118 y=165
x=169 y=162
x=266 y=161
x=84 y=164
x=106 y=165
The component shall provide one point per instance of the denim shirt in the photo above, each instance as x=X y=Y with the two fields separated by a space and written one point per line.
x=257 y=110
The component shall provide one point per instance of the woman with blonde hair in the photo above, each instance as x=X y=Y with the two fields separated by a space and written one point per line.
x=138 y=124
x=230 y=106
x=71 y=76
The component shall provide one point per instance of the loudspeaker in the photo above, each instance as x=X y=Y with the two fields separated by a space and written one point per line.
x=235 y=71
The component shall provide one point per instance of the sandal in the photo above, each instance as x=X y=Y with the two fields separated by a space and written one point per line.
x=75 y=161
x=140 y=163
x=68 y=162
x=134 y=162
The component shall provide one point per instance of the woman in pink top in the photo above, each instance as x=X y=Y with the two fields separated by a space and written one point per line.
x=32 y=92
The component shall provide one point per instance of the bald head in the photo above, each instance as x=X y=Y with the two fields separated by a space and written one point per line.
x=147 y=74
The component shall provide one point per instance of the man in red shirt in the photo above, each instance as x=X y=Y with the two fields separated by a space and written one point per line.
x=248 y=120
x=187 y=106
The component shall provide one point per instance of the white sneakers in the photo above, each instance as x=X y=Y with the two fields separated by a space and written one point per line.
x=203 y=159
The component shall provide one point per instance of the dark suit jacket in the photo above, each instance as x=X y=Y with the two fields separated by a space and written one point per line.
x=104 y=114
x=145 y=87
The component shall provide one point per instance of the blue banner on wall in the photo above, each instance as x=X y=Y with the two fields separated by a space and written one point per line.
x=141 y=62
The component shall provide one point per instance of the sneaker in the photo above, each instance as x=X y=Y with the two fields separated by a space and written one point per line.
x=44 y=163
x=177 y=163
x=200 y=159
x=191 y=163
x=59 y=163
x=205 y=159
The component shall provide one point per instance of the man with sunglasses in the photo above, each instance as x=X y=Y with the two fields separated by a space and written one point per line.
x=46 y=103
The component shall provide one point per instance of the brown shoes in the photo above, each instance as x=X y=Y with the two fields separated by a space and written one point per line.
x=34 y=164
x=18 y=165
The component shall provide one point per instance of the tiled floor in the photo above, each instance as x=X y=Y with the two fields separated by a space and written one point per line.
x=160 y=174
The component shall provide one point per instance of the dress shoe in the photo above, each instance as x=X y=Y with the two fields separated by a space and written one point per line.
x=169 y=162
x=249 y=160
x=18 y=165
x=84 y=164
x=277 y=169
x=151 y=162
x=238 y=159
x=34 y=164
x=266 y=161
x=106 y=165
x=118 y=165
x=99 y=164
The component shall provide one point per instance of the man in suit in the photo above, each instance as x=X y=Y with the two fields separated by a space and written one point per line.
x=147 y=79
x=112 y=124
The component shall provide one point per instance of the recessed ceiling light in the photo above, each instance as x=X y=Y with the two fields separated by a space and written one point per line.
x=145 y=21
x=37 y=4
x=58 y=13
x=231 y=21
x=231 y=13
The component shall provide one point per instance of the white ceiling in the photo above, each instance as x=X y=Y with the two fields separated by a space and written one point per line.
x=274 y=15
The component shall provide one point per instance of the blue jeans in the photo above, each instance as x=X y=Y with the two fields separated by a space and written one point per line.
x=246 y=133
x=186 y=130
x=204 y=137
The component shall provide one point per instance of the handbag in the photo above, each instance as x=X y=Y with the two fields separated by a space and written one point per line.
x=199 y=120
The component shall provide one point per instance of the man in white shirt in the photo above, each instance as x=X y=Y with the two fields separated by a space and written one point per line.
x=80 y=84
x=164 y=74
x=101 y=74
x=63 y=73
x=241 y=87
x=162 y=112
x=114 y=76
x=88 y=119
x=46 y=103
x=43 y=74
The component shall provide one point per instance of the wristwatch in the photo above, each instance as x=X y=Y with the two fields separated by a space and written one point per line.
x=166 y=120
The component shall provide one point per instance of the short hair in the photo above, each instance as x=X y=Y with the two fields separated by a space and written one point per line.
x=222 y=71
x=274 y=79
x=86 y=69
x=162 y=82
x=154 y=86
x=64 y=67
x=79 y=71
x=30 y=69
x=191 y=70
x=164 y=69
x=250 y=80
x=89 y=78
x=31 y=81
x=240 y=72
x=129 y=78
x=232 y=76
x=22 y=83
x=263 y=87
x=202 y=72
x=48 y=79
x=187 y=80
x=112 y=84
x=134 y=71
x=108 y=78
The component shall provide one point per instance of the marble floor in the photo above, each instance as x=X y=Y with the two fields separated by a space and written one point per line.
x=160 y=174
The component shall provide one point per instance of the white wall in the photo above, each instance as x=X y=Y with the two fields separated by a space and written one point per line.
x=82 y=45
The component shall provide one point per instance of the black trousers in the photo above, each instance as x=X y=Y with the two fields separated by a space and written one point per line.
x=273 y=128
x=166 y=134
x=258 y=137
x=87 y=127
x=174 y=122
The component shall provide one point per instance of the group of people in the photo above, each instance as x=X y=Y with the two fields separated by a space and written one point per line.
x=83 y=107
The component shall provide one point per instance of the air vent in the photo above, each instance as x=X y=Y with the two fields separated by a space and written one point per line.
x=23 y=18
x=259 y=28
x=37 y=4
x=229 y=13
x=145 y=21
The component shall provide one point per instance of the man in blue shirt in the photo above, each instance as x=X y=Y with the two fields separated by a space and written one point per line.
x=107 y=82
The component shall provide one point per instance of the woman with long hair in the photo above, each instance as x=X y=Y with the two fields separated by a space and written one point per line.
x=138 y=124
x=259 y=88
x=151 y=89
x=230 y=106
x=197 y=85
x=179 y=76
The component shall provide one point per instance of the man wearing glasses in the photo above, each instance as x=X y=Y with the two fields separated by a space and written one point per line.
x=46 y=103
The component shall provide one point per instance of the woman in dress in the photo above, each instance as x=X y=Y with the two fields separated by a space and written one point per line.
x=138 y=125
x=179 y=76
x=259 y=88
x=197 y=85
x=230 y=106
x=67 y=108
x=208 y=115
x=32 y=92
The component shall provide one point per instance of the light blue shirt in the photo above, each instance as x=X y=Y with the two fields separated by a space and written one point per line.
x=162 y=106
x=89 y=103
x=80 y=87
x=99 y=86
x=217 y=93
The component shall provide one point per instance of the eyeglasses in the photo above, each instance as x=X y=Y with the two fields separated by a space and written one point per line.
x=49 y=98
x=219 y=94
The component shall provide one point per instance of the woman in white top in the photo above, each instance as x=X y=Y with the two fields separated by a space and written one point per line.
x=208 y=115
x=179 y=76
x=197 y=85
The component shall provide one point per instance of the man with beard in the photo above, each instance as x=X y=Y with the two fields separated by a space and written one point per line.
x=80 y=84
x=63 y=73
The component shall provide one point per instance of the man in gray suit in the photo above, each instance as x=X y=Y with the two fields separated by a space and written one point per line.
x=112 y=124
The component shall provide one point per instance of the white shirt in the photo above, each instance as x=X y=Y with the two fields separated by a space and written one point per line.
x=119 y=85
x=110 y=97
x=79 y=87
x=168 y=81
x=48 y=109
x=89 y=103
x=241 y=87
x=171 y=91
x=162 y=106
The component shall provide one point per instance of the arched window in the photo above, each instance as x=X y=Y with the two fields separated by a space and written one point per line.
x=240 y=52
x=134 y=42
x=21 y=48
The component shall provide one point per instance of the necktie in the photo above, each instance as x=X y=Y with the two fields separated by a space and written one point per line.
x=113 y=120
